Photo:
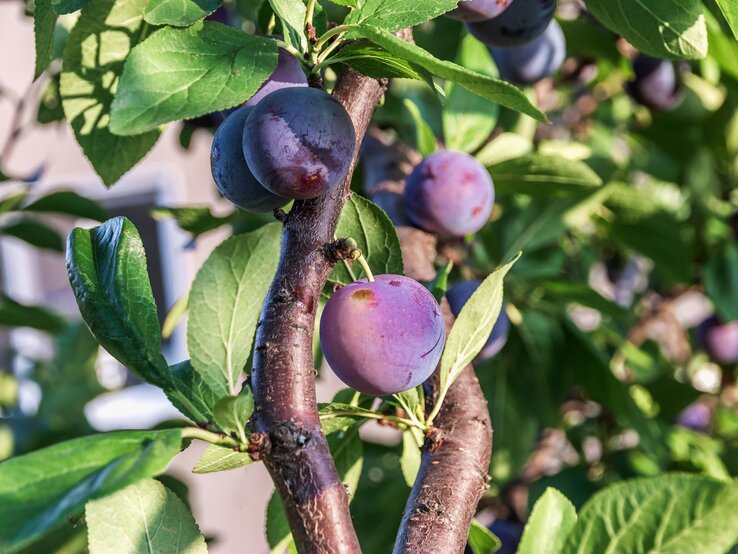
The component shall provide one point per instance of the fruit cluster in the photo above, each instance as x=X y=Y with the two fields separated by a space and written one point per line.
x=288 y=142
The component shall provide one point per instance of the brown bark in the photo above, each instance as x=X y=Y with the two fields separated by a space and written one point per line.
x=455 y=458
x=283 y=379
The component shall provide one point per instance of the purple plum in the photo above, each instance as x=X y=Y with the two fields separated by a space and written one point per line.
x=479 y=10
x=449 y=193
x=457 y=296
x=382 y=337
x=696 y=416
x=288 y=73
x=656 y=85
x=532 y=62
x=522 y=22
x=299 y=142
x=230 y=172
x=719 y=340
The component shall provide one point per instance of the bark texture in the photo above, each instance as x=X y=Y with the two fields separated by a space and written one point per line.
x=294 y=449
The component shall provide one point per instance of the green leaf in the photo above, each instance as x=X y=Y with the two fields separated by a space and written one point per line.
x=549 y=524
x=33 y=232
x=473 y=325
x=67 y=202
x=278 y=531
x=721 y=276
x=15 y=314
x=107 y=271
x=394 y=16
x=190 y=394
x=292 y=15
x=40 y=490
x=729 y=10
x=184 y=73
x=44 y=23
x=504 y=146
x=672 y=29
x=376 y=62
x=469 y=119
x=481 y=540
x=225 y=302
x=370 y=227
x=143 y=517
x=425 y=140
x=410 y=459
x=348 y=455
x=218 y=458
x=196 y=220
x=668 y=514
x=68 y=6
x=92 y=64
x=537 y=174
x=232 y=413
x=179 y=13
x=499 y=91
x=336 y=416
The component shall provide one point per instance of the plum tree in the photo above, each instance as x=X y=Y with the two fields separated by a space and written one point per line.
x=532 y=62
x=288 y=73
x=457 y=296
x=299 y=142
x=449 y=193
x=231 y=174
x=522 y=22
x=479 y=10
x=384 y=336
x=656 y=84
x=719 y=339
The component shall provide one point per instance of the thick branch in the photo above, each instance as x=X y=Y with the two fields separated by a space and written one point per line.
x=283 y=376
x=455 y=458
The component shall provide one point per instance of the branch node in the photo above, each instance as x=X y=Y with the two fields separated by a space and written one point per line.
x=259 y=446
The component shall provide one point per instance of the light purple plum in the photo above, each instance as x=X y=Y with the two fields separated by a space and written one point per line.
x=231 y=174
x=719 y=340
x=288 y=73
x=299 y=142
x=449 y=193
x=382 y=337
x=457 y=296
x=478 y=10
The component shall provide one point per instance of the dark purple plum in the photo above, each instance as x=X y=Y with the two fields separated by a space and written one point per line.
x=230 y=172
x=449 y=193
x=382 y=337
x=534 y=61
x=299 y=142
x=288 y=73
x=519 y=24
x=656 y=85
x=479 y=10
x=457 y=296
x=719 y=340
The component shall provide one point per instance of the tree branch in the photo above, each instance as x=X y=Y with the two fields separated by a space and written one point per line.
x=283 y=377
x=455 y=458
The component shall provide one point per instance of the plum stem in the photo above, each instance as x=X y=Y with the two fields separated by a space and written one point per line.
x=325 y=37
x=365 y=266
x=209 y=436
x=309 y=11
